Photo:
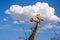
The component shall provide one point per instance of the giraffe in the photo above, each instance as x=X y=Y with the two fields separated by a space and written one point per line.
x=37 y=20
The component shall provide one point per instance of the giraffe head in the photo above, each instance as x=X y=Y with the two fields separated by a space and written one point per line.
x=35 y=18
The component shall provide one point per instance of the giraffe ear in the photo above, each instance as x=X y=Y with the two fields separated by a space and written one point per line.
x=42 y=20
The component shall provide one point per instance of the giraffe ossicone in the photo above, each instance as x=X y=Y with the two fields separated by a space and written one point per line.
x=35 y=18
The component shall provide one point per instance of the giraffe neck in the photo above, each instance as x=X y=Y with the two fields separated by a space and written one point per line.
x=32 y=36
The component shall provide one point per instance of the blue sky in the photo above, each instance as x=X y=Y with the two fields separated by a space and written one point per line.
x=8 y=29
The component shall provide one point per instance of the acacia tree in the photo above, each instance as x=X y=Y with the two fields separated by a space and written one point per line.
x=56 y=37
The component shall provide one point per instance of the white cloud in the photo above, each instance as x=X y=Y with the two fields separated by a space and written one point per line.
x=24 y=14
x=21 y=21
x=48 y=26
x=18 y=22
x=5 y=19
x=15 y=22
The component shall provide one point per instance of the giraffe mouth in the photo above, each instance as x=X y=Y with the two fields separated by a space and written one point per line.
x=31 y=20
